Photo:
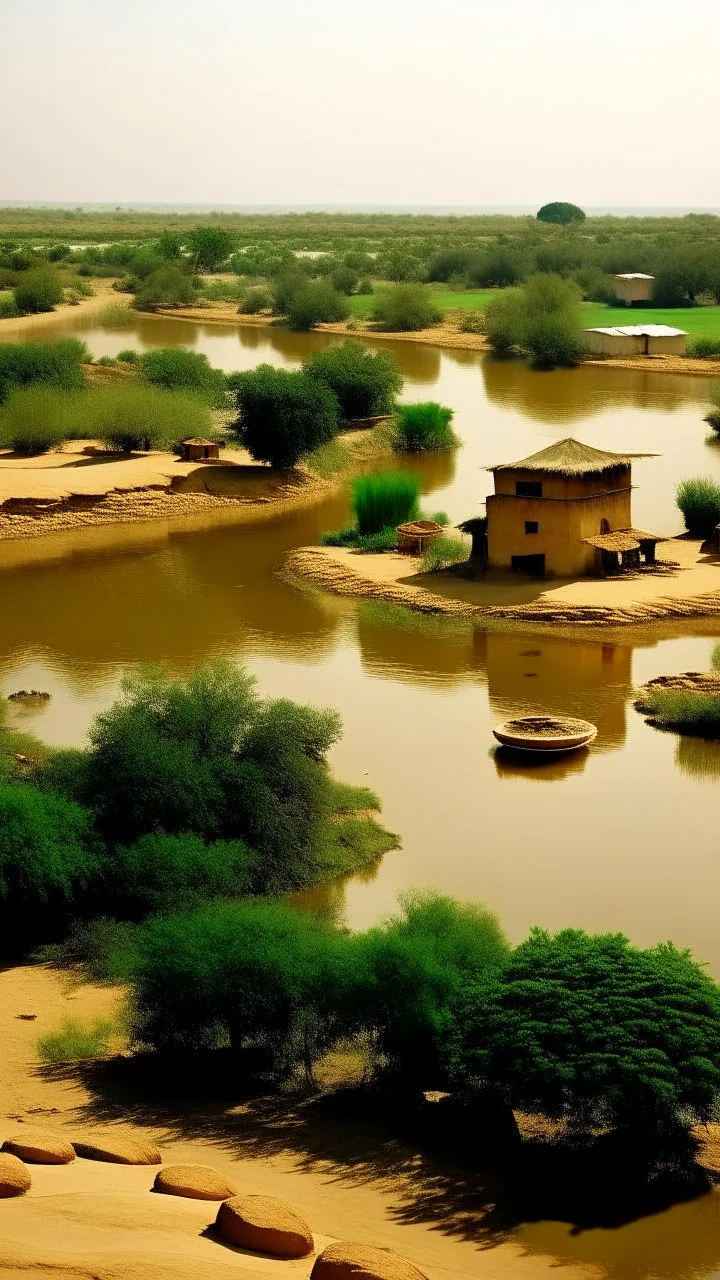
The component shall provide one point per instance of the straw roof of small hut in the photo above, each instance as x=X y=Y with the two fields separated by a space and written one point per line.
x=618 y=541
x=571 y=458
x=198 y=440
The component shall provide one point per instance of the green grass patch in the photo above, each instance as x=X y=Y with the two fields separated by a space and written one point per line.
x=700 y=322
x=384 y=499
x=444 y=551
x=362 y=305
x=117 y=318
x=697 y=713
x=74 y=1042
x=699 y=500
x=382 y=540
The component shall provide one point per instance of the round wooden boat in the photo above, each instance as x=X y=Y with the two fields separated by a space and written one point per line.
x=545 y=733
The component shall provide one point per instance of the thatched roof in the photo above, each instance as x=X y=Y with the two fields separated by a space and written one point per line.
x=198 y=440
x=571 y=458
x=618 y=541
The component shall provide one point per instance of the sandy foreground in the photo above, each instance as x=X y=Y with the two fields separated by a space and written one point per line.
x=686 y=585
x=93 y=1221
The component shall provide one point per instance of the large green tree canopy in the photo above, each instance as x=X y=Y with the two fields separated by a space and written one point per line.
x=560 y=211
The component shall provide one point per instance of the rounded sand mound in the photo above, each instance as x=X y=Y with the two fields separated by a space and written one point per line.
x=349 y=1261
x=196 y=1181
x=39 y=1147
x=265 y=1225
x=15 y=1179
x=117 y=1149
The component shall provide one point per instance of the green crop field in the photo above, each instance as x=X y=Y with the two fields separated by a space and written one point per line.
x=446 y=299
x=700 y=322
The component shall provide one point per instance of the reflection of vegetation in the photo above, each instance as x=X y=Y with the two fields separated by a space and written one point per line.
x=698 y=758
x=395 y=616
x=686 y=711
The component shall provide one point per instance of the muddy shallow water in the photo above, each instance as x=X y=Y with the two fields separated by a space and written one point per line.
x=621 y=837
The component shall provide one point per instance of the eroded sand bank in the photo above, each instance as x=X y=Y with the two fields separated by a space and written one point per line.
x=687 y=585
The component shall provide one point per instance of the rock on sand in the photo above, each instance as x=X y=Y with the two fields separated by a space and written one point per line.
x=15 y=1179
x=265 y=1225
x=196 y=1181
x=349 y=1261
x=39 y=1146
x=117 y=1149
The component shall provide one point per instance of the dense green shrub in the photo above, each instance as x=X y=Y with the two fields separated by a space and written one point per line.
x=251 y=975
x=167 y=286
x=560 y=211
x=344 y=279
x=37 y=418
x=316 y=302
x=704 y=348
x=405 y=307
x=255 y=301
x=688 y=712
x=131 y=415
x=593 y=1029
x=423 y=428
x=128 y=356
x=161 y=871
x=48 y=850
x=38 y=290
x=177 y=369
x=699 y=501
x=541 y=319
x=364 y=382
x=283 y=415
x=8 y=307
x=56 y=363
x=384 y=499
x=209 y=247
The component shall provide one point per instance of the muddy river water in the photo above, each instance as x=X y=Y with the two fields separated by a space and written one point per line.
x=622 y=838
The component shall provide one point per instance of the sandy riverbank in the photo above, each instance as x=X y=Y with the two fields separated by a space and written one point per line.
x=103 y=296
x=686 y=585
x=350 y=1178
x=448 y=334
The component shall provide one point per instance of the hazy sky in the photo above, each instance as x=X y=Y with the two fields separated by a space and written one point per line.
x=442 y=102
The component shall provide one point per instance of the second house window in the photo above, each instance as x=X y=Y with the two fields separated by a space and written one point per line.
x=532 y=526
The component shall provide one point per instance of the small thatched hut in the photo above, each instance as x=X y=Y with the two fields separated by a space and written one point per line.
x=414 y=537
x=199 y=450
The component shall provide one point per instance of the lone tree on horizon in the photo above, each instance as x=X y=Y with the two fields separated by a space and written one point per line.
x=560 y=211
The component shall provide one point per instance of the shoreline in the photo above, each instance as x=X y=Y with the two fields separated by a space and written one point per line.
x=103 y=297
x=446 y=335
x=390 y=578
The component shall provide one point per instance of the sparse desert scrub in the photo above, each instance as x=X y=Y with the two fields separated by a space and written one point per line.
x=75 y=1041
x=442 y=552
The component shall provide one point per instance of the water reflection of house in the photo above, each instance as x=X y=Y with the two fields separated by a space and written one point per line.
x=593 y=681
x=565 y=511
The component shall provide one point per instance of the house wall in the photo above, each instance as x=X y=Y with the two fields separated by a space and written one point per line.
x=675 y=345
x=571 y=508
x=614 y=344
x=633 y=290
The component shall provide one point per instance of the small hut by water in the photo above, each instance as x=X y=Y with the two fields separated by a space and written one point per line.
x=414 y=537
x=199 y=450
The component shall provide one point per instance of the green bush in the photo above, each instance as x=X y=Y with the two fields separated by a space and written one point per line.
x=128 y=356
x=442 y=552
x=167 y=286
x=384 y=500
x=699 y=501
x=57 y=363
x=594 y=1030
x=38 y=290
x=541 y=319
x=406 y=307
x=249 y=975
x=48 y=850
x=364 y=382
x=344 y=279
x=370 y=543
x=689 y=712
x=37 y=418
x=560 y=211
x=209 y=247
x=316 y=302
x=131 y=415
x=8 y=307
x=105 y=949
x=255 y=301
x=423 y=428
x=283 y=415
x=472 y=322
x=161 y=871
x=704 y=348
x=179 y=370
x=75 y=1041
x=411 y=972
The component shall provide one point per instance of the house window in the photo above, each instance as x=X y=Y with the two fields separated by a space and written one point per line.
x=532 y=526
x=528 y=489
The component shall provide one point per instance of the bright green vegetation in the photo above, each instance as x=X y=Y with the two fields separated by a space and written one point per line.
x=445 y=299
x=74 y=1042
x=176 y=369
x=540 y=319
x=364 y=382
x=594 y=1030
x=37 y=418
x=404 y=308
x=700 y=322
x=188 y=791
x=168 y=286
x=283 y=415
x=699 y=500
x=208 y=247
x=315 y=302
x=444 y=551
x=381 y=501
x=687 y=712
x=256 y=300
x=561 y=212
x=39 y=289
x=423 y=428
x=57 y=364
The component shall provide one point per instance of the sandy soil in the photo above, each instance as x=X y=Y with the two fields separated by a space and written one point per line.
x=91 y=1221
x=447 y=334
x=686 y=585
x=104 y=296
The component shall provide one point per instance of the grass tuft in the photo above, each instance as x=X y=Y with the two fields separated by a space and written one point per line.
x=442 y=552
x=384 y=499
x=74 y=1042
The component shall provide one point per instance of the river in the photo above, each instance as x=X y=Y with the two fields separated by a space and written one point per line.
x=622 y=838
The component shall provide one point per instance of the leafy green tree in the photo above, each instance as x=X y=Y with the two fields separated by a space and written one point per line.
x=595 y=1030
x=316 y=302
x=364 y=382
x=48 y=850
x=560 y=211
x=161 y=871
x=698 y=497
x=344 y=279
x=39 y=289
x=209 y=247
x=411 y=972
x=177 y=369
x=283 y=415
x=406 y=307
x=167 y=286
x=57 y=364
x=169 y=245
x=540 y=319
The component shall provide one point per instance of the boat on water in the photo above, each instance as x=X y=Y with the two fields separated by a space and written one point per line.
x=546 y=734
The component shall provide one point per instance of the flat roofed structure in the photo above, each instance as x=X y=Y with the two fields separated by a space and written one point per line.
x=633 y=286
x=550 y=512
x=636 y=339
